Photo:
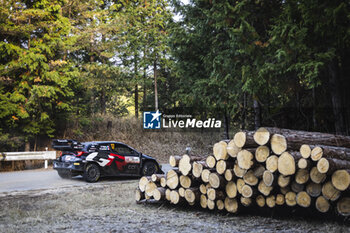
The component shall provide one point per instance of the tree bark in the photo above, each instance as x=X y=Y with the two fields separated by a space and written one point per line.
x=144 y=89
x=257 y=114
x=136 y=101
x=334 y=152
x=334 y=90
x=155 y=85
x=329 y=165
x=227 y=126
x=136 y=87
x=296 y=138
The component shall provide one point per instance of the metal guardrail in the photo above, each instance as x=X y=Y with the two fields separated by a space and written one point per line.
x=32 y=155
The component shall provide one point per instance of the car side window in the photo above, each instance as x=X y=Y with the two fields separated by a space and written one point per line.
x=104 y=147
x=121 y=149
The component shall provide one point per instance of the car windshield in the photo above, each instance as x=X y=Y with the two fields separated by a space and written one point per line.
x=88 y=147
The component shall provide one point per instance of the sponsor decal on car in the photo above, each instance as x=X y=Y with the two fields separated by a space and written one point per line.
x=132 y=159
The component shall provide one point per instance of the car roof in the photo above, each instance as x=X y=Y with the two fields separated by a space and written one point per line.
x=103 y=142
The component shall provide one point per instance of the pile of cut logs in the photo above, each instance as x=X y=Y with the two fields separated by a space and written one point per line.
x=268 y=167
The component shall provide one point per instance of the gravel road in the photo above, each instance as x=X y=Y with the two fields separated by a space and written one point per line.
x=46 y=179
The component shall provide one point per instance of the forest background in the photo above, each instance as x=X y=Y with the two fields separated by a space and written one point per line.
x=87 y=69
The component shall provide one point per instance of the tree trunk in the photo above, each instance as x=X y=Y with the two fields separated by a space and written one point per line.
x=334 y=90
x=136 y=89
x=155 y=85
x=296 y=138
x=332 y=152
x=227 y=126
x=103 y=102
x=328 y=165
x=244 y=114
x=144 y=89
x=257 y=114
x=27 y=146
x=136 y=101
x=314 y=120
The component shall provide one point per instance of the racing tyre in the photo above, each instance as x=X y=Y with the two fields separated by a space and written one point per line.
x=92 y=173
x=149 y=168
x=65 y=174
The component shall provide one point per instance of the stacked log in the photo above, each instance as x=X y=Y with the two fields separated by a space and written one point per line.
x=267 y=168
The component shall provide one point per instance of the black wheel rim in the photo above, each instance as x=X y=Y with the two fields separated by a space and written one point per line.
x=150 y=169
x=92 y=173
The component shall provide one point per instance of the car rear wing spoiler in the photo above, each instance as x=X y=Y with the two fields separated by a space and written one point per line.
x=66 y=145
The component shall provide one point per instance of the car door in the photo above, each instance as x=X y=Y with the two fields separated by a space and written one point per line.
x=100 y=154
x=127 y=159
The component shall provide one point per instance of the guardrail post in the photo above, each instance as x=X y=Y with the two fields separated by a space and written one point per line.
x=46 y=149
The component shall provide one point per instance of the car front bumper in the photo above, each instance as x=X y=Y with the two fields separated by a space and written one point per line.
x=71 y=166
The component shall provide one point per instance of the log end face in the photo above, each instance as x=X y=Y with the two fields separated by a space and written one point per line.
x=341 y=180
x=303 y=199
x=262 y=153
x=261 y=136
x=343 y=206
x=316 y=153
x=322 y=204
x=268 y=178
x=272 y=163
x=240 y=139
x=305 y=151
x=286 y=164
x=278 y=144
x=290 y=199
x=244 y=159
x=323 y=165
x=233 y=149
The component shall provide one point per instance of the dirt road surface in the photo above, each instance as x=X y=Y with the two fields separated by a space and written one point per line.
x=109 y=206
x=44 y=179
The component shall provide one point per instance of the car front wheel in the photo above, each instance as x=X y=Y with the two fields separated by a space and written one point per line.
x=92 y=173
x=149 y=168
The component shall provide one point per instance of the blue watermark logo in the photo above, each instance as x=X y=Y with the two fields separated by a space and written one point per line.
x=152 y=120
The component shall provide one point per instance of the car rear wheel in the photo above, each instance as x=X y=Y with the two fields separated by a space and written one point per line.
x=149 y=168
x=65 y=174
x=92 y=173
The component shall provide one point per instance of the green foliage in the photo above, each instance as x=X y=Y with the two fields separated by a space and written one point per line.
x=229 y=54
x=36 y=79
